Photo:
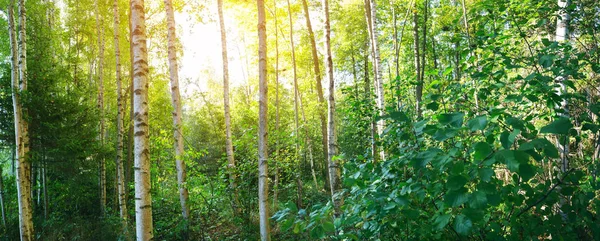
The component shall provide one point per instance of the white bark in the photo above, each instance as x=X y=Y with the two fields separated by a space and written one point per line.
x=177 y=114
x=228 y=140
x=120 y=113
x=379 y=92
x=143 y=199
x=334 y=169
x=19 y=84
x=276 y=182
x=263 y=185
x=100 y=102
x=317 y=70
x=562 y=35
x=296 y=125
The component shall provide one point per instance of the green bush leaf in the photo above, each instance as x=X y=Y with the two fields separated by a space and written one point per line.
x=452 y=119
x=441 y=221
x=482 y=150
x=328 y=227
x=526 y=171
x=456 y=197
x=486 y=174
x=478 y=199
x=462 y=224
x=456 y=182
x=559 y=126
x=478 y=123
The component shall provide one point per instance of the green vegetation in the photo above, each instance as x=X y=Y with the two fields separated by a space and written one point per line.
x=487 y=127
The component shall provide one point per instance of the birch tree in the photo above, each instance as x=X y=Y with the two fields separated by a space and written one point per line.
x=19 y=84
x=120 y=129
x=263 y=185
x=318 y=77
x=371 y=13
x=100 y=103
x=334 y=169
x=277 y=107
x=562 y=35
x=296 y=125
x=227 y=115
x=177 y=114
x=143 y=199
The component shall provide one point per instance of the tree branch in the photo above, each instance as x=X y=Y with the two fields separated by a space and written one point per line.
x=560 y=181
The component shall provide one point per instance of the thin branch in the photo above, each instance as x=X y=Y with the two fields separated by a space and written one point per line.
x=560 y=181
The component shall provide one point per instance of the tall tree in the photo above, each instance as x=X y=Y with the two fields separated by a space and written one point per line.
x=177 y=114
x=120 y=113
x=318 y=78
x=276 y=182
x=227 y=114
x=334 y=169
x=263 y=185
x=19 y=84
x=143 y=199
x=100 y=102
x=419 y=88
x=296 y=124
x=371 y=13
x=562 y=35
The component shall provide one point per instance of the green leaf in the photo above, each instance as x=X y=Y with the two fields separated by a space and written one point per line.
x=456 y=198
x=389 y=206
x=512 y=158
x=595 y=108
x=546 y=60
x=441 y=221
x=453 y=119
x=296 y=228
x=486 y=174
x=559 y=126
x=328 y=227
x=478 y=123
x=433 y=106
x=482 y=150
x=456 y=182
x=317 y=232
x=478 y=199
x=541 y=144
x=287 y=224
x=399 y=116
x=526 y=171
x=592 y=127
x=507 y=139
x=462 y=224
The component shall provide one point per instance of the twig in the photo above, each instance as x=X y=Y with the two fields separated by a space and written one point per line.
x=560 y=181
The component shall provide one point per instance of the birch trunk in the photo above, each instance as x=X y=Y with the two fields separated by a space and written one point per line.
x=130 y=161
x=419 y=88
x=562 y=35
x=100 y=40
x=228 y=140
x=318 y=77
x=276 y=182
x=177 y=114
x=296 y=125
x=45 y=190
x=334 y=169
x=143 y=199
x=263 y=185
x=120 y=113
x=19 y=84
x=370 y=14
